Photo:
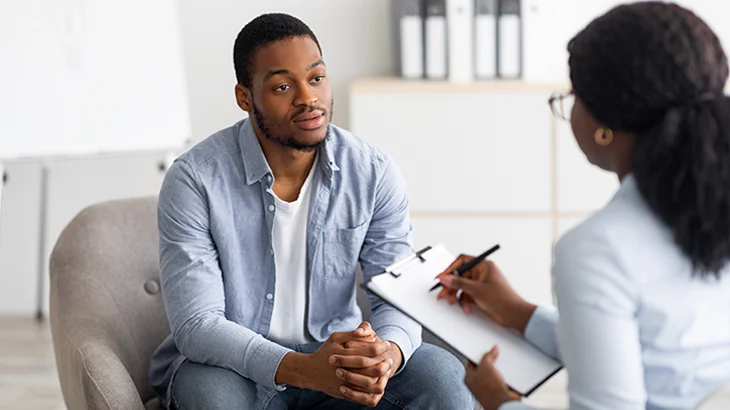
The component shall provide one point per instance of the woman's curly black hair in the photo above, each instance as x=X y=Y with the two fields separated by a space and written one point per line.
x=658 y=71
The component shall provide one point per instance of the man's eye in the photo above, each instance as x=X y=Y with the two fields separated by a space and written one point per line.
x=318 y=79
x=282 y=88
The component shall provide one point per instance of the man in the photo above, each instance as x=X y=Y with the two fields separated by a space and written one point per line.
x=261 y=227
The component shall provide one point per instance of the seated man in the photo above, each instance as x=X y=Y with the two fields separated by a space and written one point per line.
x=261 y=227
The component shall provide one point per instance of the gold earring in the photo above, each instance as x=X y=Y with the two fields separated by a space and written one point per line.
x=604 y=137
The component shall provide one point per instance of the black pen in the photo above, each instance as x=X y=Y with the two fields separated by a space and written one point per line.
x=472 y=263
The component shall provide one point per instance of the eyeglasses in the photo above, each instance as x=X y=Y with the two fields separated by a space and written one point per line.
x=562 y=104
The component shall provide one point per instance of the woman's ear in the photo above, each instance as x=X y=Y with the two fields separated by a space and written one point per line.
x=243 y=97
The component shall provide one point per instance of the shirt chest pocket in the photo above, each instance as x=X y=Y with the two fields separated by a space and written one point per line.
x=342 y=250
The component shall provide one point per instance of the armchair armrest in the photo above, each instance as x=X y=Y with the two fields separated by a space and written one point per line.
x=93 y=377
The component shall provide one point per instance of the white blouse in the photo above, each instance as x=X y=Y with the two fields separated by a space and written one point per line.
x=635 y=329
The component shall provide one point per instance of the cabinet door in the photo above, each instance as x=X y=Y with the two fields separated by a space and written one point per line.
x=75 y=184
x=463 y=150
x=19 y=227
x=525 y=252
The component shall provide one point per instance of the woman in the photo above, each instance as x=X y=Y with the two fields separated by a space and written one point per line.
x=641 y=286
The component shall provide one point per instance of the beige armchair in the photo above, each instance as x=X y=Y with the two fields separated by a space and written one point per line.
x=107 y=314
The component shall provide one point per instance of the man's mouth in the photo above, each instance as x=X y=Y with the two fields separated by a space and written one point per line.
x=310 y=120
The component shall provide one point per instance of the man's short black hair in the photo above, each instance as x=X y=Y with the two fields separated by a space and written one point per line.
x=261 y=31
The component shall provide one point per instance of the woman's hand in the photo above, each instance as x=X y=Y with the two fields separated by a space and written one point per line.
x=486 y=287
x=487 y=384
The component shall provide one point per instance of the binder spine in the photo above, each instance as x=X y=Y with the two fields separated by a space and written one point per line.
x=436 y=39
x=485 y=39
x=460 y=27
x=410 y=20
x=510 y=39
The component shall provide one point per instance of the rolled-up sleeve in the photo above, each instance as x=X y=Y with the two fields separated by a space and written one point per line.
x=389 y=238
x=192 y=286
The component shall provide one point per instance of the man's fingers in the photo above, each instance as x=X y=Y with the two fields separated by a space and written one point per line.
x=354 y=362
x=364 y=330
x=360 y=382
x=381 y=369
x=343 y=337
x=357 y=348
x=367 y=399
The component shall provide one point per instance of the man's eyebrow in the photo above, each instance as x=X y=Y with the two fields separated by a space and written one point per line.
x=316 y=63
x=276 y=72
x=288 y=72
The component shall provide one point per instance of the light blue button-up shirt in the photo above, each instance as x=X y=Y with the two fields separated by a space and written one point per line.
x=633 y=327
x=215 y=219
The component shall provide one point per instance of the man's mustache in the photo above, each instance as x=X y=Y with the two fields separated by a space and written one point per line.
x=309 y=109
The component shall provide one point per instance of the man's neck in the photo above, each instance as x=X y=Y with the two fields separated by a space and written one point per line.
x=290 y=167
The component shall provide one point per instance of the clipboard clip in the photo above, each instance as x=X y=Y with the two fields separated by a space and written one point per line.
x=392 y=269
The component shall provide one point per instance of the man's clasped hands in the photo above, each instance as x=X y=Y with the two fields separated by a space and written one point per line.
x=353 y=365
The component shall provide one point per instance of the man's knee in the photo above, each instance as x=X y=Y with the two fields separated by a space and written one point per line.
x=439 y=375
x=198 y=386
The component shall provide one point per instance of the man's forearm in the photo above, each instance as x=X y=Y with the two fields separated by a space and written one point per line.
x=214 y=340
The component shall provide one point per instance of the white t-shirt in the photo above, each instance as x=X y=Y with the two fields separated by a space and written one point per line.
x=288 y=320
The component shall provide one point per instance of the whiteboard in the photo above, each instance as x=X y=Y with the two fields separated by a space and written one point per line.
x=90 y=76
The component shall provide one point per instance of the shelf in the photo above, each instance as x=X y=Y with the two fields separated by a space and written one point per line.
x=401 y=85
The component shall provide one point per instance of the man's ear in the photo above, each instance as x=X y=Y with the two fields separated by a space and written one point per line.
x=243 y=97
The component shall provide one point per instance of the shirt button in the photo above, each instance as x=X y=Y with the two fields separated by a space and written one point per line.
x=271 y=208
x=269 y=178
x=271 y=251
x=269 y=296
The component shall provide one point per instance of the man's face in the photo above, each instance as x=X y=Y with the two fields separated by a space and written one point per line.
x=291 y=97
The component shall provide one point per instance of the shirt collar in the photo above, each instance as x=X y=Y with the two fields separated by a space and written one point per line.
x=254 y=161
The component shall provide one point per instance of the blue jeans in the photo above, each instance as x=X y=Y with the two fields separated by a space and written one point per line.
x=432 y=379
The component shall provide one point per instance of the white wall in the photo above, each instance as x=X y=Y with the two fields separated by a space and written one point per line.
x=352 y=49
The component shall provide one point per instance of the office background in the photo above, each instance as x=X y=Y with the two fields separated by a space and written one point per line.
x=524 y=178
x=495 y=138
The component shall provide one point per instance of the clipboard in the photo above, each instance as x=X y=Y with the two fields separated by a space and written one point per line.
x=405 y=285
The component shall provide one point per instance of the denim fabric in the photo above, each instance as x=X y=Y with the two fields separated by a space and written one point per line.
x=434 y=380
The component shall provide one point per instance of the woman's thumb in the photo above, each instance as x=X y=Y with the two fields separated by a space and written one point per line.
x=492 y=355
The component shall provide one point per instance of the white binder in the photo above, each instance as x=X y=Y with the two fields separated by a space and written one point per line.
x=510 y=39
x=485 y=39
x=436 y=39
x=460 y=26
x=405 y=285
x=410 y=20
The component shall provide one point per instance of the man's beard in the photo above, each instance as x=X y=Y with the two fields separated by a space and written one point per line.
x=289 y=141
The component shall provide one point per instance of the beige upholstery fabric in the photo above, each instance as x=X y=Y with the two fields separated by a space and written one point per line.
x=107 y=314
